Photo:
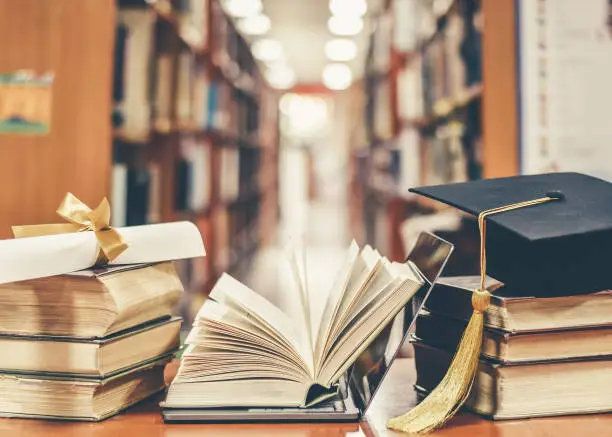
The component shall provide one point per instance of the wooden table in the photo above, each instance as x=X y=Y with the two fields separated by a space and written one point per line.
x=395 y=397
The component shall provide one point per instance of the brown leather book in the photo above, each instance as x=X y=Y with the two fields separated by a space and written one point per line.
x=527 y=390
x=95 y=358
x=90 y=303
x=517 y=347
x=76 y=397
x=516 y=311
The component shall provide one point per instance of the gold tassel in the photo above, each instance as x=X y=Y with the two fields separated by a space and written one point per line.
x=444 y=401
x=454 y=389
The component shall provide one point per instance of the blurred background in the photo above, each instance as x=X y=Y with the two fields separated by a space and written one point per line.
x=267 y=122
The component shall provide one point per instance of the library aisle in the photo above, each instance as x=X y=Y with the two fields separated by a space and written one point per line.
x=322 y=225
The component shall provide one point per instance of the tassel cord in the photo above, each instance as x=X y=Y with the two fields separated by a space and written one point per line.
x=453 y=391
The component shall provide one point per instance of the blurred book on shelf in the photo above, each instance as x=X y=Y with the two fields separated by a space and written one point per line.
x=229 y=171
x=200 y=96
x=410 y=92
x=192 y=138
x=121 y=35
x=118 y=198
x=162 y=112
x=193 y=175
x=405 y=25
x=154 y=213
x=423 y=111
x=138 y=184
x=139 y=45
x=193 y=22
x=200 y=195
x=445 y=160
x=185 y=100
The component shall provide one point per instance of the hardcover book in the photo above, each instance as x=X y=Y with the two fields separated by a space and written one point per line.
x=76 y=397
x=89 y=303
x=100 y=358
x=518 y=310
x=518 y=347
x=537 y=388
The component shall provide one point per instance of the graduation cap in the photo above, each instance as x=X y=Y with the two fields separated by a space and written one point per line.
x=554 y=249
x=544 y=235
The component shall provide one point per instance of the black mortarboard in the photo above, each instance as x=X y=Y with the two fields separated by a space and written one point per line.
x=562 y=247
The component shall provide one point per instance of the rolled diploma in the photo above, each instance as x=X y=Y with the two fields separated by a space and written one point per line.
x=38 y=257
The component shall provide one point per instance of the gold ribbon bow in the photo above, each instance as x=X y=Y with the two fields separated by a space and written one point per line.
x=81 y=218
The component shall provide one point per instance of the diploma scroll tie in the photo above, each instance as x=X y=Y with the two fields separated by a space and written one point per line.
x=82 y=218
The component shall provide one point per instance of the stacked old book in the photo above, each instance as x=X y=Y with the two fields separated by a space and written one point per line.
x=85 y=343
x=539 y=357
x=547 y=341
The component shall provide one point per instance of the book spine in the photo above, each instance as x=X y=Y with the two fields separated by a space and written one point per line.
x=119 y=195
x=137 y=196
x=118 y=74
x=137 y=67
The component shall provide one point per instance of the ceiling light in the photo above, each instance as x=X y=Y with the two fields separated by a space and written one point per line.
x=280 y=76
x=337 y=76
x=255 y=25
x=242 y=8
x=267 y=50
x=345 y=25
x=341 y=50
x=348 y=7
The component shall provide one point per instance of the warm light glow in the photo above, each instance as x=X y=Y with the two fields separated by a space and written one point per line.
x=242 y=8
x=280 y=76
x=267 y=50
x=337 y=76
x=348 y=7
x=255 y=25
x=345 y=25
x=341 y=50
x=307 y=116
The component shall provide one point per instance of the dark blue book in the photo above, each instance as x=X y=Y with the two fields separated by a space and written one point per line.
x=138 y=181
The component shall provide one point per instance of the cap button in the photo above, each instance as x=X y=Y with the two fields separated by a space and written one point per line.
x=556 y=195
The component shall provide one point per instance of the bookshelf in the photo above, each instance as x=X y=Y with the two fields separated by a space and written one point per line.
x=200 y=132
x=157 y=105
x=441 y=108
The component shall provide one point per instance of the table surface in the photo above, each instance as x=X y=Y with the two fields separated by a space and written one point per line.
x=395 y=397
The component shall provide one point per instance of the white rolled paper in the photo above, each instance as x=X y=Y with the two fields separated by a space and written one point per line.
x=38 y=257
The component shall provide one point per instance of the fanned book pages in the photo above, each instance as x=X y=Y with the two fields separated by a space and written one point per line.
x=244 y=351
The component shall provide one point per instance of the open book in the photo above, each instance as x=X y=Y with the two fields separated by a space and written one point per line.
x=244 y=351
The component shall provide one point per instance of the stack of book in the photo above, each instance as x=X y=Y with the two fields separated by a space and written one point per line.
x=88 y=344
x=539 y=356
x=546 y=348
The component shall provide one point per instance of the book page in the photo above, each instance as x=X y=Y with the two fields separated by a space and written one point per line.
x=360 y=284
x=333 y=299
x=230 y=291
x=383 y=276
x=297 y=265
x=231 y=329
x=361 y=334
